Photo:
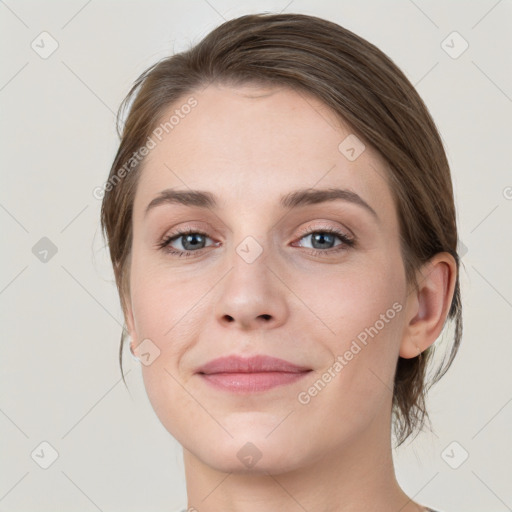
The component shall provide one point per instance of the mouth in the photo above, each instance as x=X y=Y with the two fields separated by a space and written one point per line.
x=251 y=382
x=250 y=375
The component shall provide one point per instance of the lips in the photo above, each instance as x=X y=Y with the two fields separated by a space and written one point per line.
x=254 y=364
x=248 y=375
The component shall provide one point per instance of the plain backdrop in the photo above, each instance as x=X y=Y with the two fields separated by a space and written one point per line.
x=62 y=401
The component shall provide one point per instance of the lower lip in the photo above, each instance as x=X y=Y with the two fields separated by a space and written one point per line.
x=251 y=382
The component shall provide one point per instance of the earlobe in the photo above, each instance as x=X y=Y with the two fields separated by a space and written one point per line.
x=427 y=307
x=409 y=350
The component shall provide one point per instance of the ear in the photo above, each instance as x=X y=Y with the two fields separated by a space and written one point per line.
x=427 y=307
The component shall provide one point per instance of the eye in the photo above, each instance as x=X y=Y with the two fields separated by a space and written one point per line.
x=193 y=241
x=190 y=240
x=324 y=238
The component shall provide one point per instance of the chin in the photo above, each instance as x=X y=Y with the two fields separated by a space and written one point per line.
x=250 y=453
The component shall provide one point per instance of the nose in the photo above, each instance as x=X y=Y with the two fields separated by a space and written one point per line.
x=252 y=296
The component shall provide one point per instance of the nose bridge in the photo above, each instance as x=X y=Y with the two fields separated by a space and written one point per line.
x=252 y=246
x=252 y=236
x=250 y=269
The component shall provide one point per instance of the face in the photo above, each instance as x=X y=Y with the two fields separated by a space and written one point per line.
x=263 y=270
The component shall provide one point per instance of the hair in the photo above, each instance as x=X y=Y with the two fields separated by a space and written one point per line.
x=367 y=91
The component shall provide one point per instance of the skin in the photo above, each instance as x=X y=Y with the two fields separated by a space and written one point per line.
x=249 y=146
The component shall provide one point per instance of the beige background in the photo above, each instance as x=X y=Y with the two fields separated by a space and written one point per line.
x=61 y=320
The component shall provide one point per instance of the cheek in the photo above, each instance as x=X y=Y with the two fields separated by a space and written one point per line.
x=163 y=302
x=362 y=310
x=350 y=301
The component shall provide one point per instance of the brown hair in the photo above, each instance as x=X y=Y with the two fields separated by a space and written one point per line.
x=369 y=93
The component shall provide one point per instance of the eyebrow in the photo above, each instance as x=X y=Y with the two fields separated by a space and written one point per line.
x=292 y=200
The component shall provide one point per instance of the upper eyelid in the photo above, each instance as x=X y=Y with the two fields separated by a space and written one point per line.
x=303 y=231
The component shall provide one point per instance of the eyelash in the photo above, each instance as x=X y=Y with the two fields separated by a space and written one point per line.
x=347 y=242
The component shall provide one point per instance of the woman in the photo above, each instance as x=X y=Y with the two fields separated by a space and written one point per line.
x=281 y=224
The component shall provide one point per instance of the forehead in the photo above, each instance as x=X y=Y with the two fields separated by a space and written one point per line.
x=252 y=144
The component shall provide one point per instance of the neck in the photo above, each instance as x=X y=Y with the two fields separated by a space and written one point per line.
x=356 y=476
